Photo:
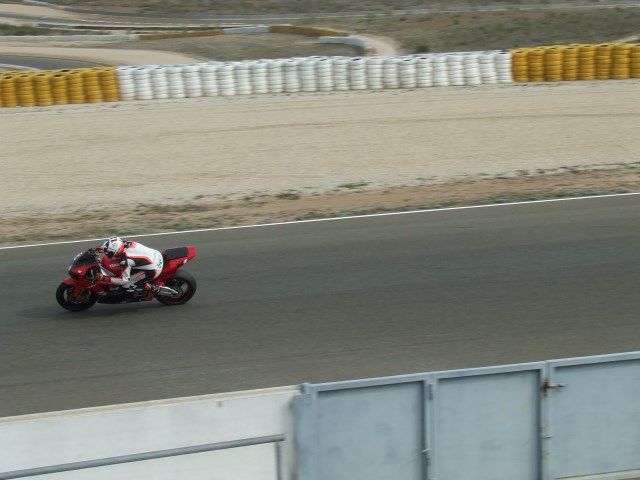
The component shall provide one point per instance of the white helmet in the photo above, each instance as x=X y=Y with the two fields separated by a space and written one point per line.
x=114 y=246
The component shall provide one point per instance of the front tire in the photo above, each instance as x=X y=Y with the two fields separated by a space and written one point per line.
x=182 y=282
x=66 y=299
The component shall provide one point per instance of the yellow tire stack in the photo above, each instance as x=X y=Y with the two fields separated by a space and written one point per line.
x=571 y=63
x=75 y=86
x=587 y=67
x=604 y=61
x=553 y=63
x=634 y=61
x=109 y=84
x=621 y=65
x=26 y=90
x=8 y=91
x=59 y=87
x=520 y=64
x=42 y=88
x=92 y=91
x=536 y=65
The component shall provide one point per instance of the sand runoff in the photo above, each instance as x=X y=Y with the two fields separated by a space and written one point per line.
x=198 y=155
x=39 y=13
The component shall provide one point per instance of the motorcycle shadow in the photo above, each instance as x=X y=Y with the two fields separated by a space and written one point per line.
x=96 y=312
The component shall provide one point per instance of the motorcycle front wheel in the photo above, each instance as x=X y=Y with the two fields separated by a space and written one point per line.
x=182 y=282
x=67 y=300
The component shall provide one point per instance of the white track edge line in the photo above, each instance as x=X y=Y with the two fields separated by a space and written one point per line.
x=383 y=214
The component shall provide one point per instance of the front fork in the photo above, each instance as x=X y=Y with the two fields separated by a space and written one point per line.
x=78 y=288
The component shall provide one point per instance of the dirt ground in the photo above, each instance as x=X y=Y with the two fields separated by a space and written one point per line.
x=221 y=161
x=242 y=47
x=345 y=200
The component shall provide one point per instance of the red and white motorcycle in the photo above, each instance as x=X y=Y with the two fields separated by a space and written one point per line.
x=83 y=288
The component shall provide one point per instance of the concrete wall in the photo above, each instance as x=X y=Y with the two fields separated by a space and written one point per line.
x=58 y=438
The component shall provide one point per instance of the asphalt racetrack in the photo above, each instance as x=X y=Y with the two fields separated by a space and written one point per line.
x=333 y=300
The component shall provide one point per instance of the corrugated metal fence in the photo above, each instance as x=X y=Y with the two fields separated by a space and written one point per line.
x=544 y=420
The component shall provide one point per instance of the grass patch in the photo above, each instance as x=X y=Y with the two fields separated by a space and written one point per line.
x=22 y=30
x=288 y=196
x=351 y=186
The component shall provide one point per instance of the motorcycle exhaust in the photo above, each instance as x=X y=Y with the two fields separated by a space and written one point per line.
x=167 y=292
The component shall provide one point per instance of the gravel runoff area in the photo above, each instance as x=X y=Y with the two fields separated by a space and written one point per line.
x=134 y=167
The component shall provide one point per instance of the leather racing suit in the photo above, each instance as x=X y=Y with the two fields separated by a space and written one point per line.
x=136 y=266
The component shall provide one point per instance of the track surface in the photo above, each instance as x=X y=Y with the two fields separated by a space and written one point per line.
x=333 y=300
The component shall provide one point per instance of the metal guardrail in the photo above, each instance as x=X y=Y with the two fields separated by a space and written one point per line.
x=567 y=418
x=139 y=457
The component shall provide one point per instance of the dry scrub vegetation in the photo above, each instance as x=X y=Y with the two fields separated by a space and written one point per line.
x=442 y=32
x=240 y=47
x=346 y=200
x=278 y=6
x=494 y=30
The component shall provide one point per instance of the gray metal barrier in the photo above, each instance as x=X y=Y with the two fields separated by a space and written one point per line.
x=138 y=457
x=569 y=418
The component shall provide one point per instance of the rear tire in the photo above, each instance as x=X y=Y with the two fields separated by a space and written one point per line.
x=66 y=299
x=182 y=282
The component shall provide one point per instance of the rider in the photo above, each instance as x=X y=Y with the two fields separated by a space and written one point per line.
x=121 y=257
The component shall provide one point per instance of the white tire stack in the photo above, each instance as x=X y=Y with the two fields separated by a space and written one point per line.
x=424 y=71
x=390 y=74
x=242 y=75
x=275 y=76
x=324 y=73
x=455 y=69
x=142 y=81
x=209 y=77
x=259 y=81
x=503 y=67
x=192 y=81
x=471 y=65
x=488 y=71
x=440 y=71
x=357 y=74
x=308 y=77
x=291 y=76
x=374 y=72
x=226 y=80
x=159 y=82
x=408 y=72
x=341 y=73
x=176 y=82
x=126 y=84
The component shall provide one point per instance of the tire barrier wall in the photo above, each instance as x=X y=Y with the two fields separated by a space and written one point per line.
x=312 y=74
x=319 y=74
x=554 y=63
x=58 y=87
x=308 y=31
x=162 y=36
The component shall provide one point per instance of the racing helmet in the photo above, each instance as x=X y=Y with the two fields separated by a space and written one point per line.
x=113 y=247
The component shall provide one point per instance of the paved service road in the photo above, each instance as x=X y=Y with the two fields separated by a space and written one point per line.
x=44 y=63
x=333 y=300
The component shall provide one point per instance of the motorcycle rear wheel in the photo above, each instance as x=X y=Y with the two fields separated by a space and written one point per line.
x=66 y=299
x=182 y=282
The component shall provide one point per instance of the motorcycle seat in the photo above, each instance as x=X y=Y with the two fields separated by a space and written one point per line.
x=173 y=253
